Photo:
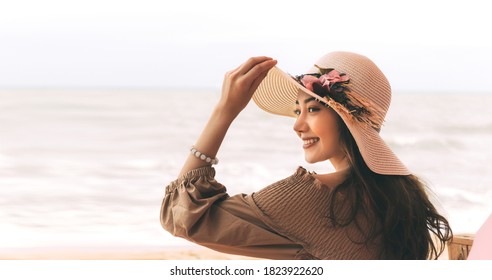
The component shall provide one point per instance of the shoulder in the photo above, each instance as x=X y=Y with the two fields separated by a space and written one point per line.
x=300 y=188
x=301 y=178
x=331 y=180
x=328 y=180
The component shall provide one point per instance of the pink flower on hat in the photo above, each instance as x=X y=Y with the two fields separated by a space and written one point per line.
x=333 y=77
x=333 y=86
x=324 y=85
x=308 y=81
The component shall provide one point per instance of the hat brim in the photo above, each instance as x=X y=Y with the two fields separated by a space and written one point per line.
x=277 y=94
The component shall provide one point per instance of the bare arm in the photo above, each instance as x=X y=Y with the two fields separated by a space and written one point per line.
x=237 y=90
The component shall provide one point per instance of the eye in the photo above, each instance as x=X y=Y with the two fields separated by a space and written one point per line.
x=313 y=109
x=297 y=112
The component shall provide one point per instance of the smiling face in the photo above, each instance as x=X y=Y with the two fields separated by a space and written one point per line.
x=318 y=127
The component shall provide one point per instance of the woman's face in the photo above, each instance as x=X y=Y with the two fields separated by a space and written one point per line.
x=317 y=126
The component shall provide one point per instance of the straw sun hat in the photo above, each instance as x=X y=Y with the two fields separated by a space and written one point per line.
x=366 y=98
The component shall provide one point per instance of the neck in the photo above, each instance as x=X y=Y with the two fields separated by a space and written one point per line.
x=340 y=163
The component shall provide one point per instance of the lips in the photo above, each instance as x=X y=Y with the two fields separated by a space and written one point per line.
x=308 y=142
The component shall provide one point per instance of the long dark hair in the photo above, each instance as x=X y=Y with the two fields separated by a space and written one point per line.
x=408 y=224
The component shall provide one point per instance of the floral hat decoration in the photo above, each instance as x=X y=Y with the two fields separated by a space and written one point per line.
x=332 y=87
x=354 y=87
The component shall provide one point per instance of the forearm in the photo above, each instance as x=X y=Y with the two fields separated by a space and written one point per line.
x=237 y=90
x=210 y=139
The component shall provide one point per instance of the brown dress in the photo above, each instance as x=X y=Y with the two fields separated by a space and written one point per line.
x=286 y=220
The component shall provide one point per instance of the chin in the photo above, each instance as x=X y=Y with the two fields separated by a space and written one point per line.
x=311 y=160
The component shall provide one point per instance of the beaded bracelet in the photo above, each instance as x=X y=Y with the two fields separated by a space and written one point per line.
x=203 y=157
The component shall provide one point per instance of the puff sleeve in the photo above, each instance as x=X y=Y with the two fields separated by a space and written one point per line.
x=197 y=207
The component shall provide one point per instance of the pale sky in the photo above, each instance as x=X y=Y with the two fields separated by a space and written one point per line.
x=420 y=45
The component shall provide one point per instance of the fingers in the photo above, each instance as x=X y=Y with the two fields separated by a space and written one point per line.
x=259 y=72
x=250 y=74
x=240 y=84
x=252 y=62
x=247 y=83
x=260 y=68
x=246 y=66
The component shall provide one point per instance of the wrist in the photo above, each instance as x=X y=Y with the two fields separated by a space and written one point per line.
x=223 y=114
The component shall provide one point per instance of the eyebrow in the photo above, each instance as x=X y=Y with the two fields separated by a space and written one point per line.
x=306 y=101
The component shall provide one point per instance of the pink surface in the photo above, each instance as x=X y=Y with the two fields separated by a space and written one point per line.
x=482 y=244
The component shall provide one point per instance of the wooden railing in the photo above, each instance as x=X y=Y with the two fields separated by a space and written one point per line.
x=459 y=247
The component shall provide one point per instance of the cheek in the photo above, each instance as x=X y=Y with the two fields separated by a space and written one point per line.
x=328 y=133
x=329 y=139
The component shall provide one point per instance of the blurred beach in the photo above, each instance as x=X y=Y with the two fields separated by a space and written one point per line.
x=83 y=172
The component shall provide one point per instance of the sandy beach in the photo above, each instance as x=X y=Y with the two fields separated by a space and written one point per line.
x=116 y=254
x=124 y=254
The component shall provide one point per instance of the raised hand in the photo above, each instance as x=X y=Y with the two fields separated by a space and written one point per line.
x=237 y=90
x=240 y=84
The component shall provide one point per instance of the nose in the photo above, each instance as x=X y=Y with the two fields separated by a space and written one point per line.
x=300 y=124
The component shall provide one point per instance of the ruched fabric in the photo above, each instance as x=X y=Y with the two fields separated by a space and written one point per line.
x=286 y=220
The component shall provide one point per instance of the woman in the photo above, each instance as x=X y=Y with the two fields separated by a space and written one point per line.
x=371 y=207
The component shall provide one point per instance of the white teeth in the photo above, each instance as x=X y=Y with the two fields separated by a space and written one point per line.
x=311 y=141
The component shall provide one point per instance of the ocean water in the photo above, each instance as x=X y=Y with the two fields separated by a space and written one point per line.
x=88 y=168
